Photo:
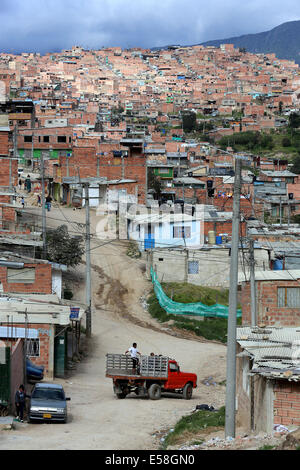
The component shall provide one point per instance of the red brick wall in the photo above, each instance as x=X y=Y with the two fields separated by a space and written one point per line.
x=45 y=331
x=268 y=311
x=287 y=403
x=223 y=227
x=85 y=159
x=42 y=284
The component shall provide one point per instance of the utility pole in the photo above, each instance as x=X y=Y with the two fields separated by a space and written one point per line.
x=280 y=211
x=231 y=329
x=43 y=207
x=252 y=282
x=88 y=262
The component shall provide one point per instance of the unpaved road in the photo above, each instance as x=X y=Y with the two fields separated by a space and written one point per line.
x=97 y=419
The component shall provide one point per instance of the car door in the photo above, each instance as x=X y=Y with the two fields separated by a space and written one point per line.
x=174 y=376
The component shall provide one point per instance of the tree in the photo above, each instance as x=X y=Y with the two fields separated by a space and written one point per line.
x=294 y=121
x=296 y=165
x=62 y=248
x=286 y=142
x=154 y=183
x=189 y=121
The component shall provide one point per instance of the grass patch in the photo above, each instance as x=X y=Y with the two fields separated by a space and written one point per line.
x=193 y=424
x=211 y=328
x=267 y=447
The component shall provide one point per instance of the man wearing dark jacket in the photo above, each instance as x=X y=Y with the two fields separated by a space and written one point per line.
x=20 y=400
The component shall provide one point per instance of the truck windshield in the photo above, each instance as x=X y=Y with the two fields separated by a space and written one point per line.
x=48 y=394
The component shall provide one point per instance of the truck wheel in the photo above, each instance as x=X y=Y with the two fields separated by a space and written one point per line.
x=121 y=395
x=154 y=392
x=187 y=391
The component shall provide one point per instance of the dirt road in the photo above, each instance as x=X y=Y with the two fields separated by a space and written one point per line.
x=97 y=419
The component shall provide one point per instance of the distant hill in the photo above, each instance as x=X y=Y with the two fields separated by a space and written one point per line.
x=283 y=41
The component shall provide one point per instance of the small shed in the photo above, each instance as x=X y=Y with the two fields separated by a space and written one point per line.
x=268 y=378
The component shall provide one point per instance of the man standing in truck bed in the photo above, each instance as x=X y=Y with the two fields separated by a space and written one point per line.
x=135 y=360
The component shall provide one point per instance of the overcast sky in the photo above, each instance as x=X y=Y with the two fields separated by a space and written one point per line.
x=52 y=25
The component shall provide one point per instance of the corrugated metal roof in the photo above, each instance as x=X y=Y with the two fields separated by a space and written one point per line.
x=275 y=351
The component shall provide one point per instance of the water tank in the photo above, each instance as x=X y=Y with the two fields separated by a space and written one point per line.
x=218 y=240
x=277 y=265
x=211 y=237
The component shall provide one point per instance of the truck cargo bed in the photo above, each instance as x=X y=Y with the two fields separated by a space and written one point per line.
x=120 y=365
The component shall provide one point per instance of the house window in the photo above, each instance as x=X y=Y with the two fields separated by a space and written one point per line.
x=193 y=267
x=27 y=138
x=181 y=232
x=33 y=347
x=288 y=297
x=46 y=138
x=61 y=139
x=21 y=276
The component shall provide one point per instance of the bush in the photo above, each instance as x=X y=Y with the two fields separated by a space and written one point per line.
x=286 y=142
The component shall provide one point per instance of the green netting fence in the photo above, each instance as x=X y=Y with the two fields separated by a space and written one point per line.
x=195 y=308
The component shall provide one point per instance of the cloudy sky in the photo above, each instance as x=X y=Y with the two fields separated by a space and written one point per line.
x=52 y=25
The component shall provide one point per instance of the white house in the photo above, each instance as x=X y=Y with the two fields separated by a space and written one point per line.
x=161 y=230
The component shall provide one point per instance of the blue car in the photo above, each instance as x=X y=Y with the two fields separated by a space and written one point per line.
x=33 y=371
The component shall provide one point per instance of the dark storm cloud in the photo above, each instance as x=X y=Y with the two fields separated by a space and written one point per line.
x=50 y=25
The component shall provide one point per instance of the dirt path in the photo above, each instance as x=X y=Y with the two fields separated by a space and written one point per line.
x=97 y=419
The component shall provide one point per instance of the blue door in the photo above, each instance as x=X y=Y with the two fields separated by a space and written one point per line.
x=149 y=241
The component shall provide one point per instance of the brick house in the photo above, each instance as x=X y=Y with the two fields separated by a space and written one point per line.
x=268 y=378
x=277 y=297
x=42 y=320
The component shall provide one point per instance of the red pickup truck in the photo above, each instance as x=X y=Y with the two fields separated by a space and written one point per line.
x=156 y=374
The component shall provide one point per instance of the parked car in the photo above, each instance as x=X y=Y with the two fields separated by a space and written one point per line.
x=48 y=403
x=33 y=371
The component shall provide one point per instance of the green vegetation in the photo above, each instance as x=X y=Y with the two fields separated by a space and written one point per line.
x=248 y=141
x=133 y=250
x=266 y=447
x=189 y=426
x=286 y=141
x=211 y=328
x=63 y=248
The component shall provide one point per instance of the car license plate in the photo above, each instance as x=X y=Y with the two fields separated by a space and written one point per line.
x=47 y=415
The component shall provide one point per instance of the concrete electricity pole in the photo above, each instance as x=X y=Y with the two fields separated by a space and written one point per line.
x=231 y=329
x=88 y=263
x=43 y=207
x=252 y=282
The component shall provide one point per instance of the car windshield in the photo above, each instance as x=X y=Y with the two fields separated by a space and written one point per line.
x=48 y=394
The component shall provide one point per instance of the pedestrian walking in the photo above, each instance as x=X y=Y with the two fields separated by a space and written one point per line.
x=23 y=202
x=39 y=200
x=48 y=202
